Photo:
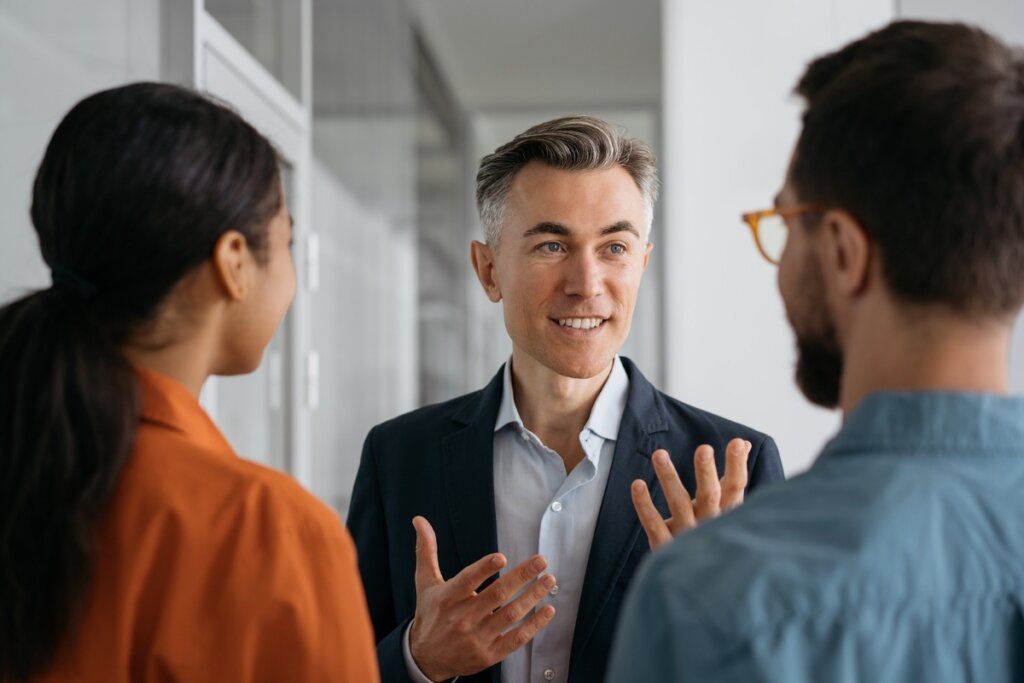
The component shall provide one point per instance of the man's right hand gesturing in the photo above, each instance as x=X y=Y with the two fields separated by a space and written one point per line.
x=458 y=631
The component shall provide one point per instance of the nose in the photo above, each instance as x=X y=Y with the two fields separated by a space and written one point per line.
x=584 y=276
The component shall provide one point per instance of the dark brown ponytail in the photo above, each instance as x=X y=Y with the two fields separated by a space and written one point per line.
x=136 y=186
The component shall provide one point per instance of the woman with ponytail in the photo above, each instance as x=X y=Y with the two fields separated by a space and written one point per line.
x=134 y=544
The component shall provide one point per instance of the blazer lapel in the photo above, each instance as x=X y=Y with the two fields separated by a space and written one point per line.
x=618 y=528
x=468 y=456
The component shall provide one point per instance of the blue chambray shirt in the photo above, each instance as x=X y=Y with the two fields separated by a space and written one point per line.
x=899 y=556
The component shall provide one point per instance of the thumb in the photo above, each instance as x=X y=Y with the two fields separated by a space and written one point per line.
x=428 y=573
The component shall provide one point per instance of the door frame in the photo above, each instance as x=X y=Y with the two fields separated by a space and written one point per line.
x=224 y=68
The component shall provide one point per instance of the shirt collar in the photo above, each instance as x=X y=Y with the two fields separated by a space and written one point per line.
x=167 y=403
x=932 y=422
x=605 y=416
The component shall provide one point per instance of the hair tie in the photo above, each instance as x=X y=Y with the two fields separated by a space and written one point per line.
x=66 y=279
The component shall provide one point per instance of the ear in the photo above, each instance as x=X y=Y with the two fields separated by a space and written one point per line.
x=232 y=262
x=647 y=254
x=483 y=260
x=848 y=252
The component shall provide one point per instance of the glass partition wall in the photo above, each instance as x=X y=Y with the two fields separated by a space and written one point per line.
x=443 y=235
x=379 y=153
x=364 y=212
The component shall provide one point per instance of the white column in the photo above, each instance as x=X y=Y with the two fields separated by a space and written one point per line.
x=730 y=122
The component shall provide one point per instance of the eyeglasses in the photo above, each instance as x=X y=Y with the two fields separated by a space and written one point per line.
x=770 y=230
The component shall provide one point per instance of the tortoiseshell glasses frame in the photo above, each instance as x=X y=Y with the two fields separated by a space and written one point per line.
x=771 y=246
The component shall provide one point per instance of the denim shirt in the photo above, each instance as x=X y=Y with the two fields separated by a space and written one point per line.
x=899 y=556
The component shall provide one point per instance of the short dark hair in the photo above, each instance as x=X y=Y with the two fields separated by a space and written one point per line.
x=918 y=131
x=135 y=188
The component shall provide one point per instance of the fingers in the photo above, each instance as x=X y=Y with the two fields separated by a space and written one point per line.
x=657 y=530
x=428 y=573
x=709 y=491
x=680 y=507
x=517 y=637
x=734 y=483
x=511 y=614
x=503 y=590
x=469 y=579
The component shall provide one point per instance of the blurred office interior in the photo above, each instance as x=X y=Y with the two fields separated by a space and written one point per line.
x=382 y=110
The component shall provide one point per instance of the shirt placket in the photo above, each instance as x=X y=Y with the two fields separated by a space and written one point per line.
x=555 y=527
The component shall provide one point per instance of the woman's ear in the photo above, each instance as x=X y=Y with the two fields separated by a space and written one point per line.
x=848 y=252
x=482 y=256
x=232 y=262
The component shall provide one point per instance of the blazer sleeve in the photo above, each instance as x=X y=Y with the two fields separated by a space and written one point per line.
x=367 y=523
x=765 y=465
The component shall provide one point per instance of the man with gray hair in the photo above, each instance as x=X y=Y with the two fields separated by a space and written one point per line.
x=535 y=477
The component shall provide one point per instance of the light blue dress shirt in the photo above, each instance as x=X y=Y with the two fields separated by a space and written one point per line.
x=899 y=556
x=541 y=509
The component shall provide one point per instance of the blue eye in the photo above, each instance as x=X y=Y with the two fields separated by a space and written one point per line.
x=617 y=249
x=551 y=247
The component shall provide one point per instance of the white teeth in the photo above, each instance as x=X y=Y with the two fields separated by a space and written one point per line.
x=581 y=323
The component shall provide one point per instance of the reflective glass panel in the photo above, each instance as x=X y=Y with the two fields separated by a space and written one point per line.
x=269 y=29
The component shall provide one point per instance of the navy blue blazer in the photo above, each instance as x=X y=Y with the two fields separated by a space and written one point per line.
x=438 y=462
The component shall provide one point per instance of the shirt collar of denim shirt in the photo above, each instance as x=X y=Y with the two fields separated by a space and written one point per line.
x=920 y=422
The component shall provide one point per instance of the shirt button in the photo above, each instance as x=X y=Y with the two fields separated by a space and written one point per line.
x=553 y=591
x=549 y=674
x=526 y=437
x=557 y=507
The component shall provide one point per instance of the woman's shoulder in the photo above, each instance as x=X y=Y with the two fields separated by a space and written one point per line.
x=196 y=536
x=205 y=487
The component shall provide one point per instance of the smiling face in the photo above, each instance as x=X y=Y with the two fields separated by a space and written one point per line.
x=568 y=268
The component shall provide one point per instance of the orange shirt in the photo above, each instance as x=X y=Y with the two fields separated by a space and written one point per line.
x=211 y=568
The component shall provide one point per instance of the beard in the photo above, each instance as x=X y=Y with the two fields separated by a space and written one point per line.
x=819 y=369
x=819 y=364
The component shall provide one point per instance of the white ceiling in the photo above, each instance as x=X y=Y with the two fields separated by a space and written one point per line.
x=501 y=55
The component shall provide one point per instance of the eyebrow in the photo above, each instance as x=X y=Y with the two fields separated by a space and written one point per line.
x=621 y=226
x=549 y=228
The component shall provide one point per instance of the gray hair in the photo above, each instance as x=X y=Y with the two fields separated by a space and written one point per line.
x=573 y=143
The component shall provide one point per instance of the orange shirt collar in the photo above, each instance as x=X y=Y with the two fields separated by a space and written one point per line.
x=167 y=403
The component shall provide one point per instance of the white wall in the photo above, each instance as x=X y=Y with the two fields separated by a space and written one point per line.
x=729 y=126
x=1005 y=19
x=52 y=54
